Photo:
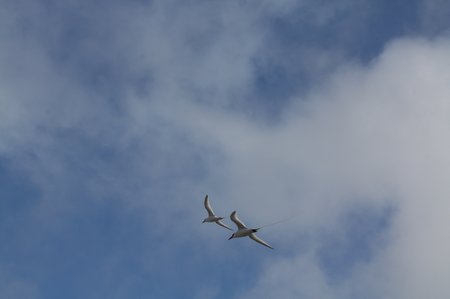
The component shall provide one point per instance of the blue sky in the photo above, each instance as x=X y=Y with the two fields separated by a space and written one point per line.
x=117 y=117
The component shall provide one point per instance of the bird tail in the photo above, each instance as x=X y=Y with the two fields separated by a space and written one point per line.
x=273 y=223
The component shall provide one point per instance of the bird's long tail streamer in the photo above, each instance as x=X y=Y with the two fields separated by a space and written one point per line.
x=281 y=221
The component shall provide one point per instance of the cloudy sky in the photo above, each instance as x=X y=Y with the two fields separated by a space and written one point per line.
x=117 y=117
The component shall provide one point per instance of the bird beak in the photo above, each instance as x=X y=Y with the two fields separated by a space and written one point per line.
x=230 y=237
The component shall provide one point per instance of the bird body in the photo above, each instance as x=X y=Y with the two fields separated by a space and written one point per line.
x=244 y=232
x=212 y=219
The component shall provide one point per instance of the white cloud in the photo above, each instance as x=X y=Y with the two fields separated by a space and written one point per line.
x=379 y=134
x=292 y=278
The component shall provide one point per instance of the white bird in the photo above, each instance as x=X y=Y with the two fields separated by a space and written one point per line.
x=212 y=217
x=244 y=231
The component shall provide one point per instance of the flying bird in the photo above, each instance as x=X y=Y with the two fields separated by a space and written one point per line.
x=212 y=217
x=244 y=231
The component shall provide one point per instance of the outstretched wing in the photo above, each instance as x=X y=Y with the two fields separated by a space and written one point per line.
x=208 y=207
x=255 y=238
x=237 y=221
x=223 y=224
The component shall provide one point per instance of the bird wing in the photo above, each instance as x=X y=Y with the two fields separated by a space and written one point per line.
x=223 y=224
x=257 y=239
x=237 y=221
x=208 y=207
